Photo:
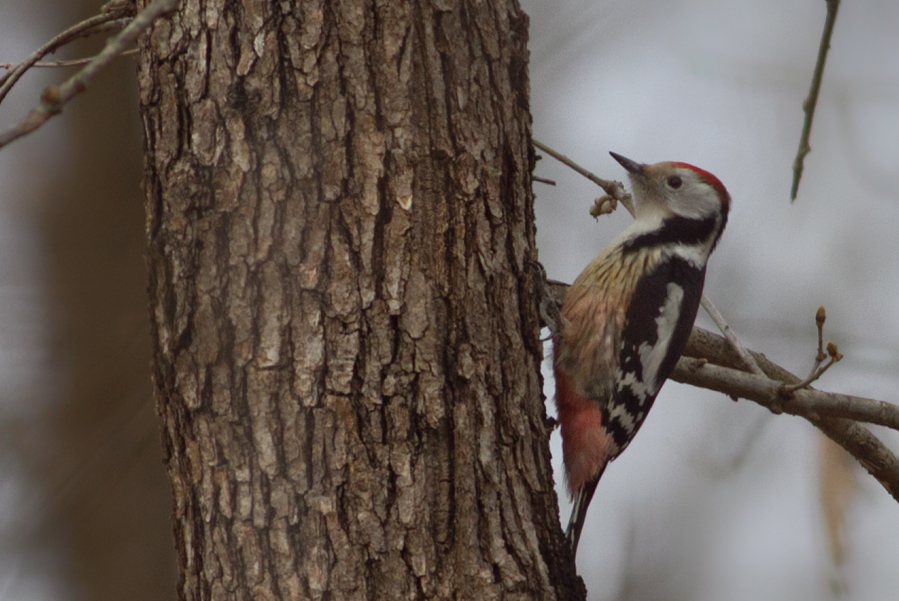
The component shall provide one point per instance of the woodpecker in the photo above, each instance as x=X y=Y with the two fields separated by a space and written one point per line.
x=626 y=319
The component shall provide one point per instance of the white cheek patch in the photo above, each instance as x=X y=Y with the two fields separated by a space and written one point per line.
x=651 y=357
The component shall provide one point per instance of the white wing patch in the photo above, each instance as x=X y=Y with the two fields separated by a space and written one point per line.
x=695 y=255
x=651 y=357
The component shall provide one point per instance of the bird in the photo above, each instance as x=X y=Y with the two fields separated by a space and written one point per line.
x=626 y=319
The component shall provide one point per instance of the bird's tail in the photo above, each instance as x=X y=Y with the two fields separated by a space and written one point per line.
x=582 y=499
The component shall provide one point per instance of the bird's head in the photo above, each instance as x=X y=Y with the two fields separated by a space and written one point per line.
x=677 y=190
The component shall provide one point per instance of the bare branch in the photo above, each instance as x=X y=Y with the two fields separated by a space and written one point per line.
x=817 y=372
x=824 y=412
x=817 y=369
x=729 y=335
x=99 y=23
x=54 y=98
x=819 y=408
x=75 y=62
x=705 y=345
x=820 y=318
x=767 y=392
x=811 y=102
x=614 y=189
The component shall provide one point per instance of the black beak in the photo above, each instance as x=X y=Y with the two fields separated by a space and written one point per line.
x=631 y=166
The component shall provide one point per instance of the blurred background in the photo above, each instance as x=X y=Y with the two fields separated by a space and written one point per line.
x=714 y=500
x=84 y=500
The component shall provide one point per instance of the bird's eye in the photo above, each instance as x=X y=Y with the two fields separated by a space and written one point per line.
x=675 y=181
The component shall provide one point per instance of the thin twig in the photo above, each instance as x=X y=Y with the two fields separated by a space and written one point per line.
x=729 y=335
x=820 y=318
x=75 y=62
x=543 y=180
x=817 y=369
x=54 y=98
x=811 y=102
x=814 y=375
x=96 y=24
x=614 y=189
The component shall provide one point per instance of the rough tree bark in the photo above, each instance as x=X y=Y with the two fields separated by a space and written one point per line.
x=346 y=339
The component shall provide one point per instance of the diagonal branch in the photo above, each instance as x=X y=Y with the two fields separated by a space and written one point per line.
x=704 y=345
x=819 y=408
x=53 y=98
x=811 y=102
x=745 y=356
x=95 y=24
x=613 y=189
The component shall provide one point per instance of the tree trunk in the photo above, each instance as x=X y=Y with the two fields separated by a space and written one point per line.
x=346 y=340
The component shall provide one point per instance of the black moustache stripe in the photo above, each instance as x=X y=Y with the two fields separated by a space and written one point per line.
x=674 y=230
